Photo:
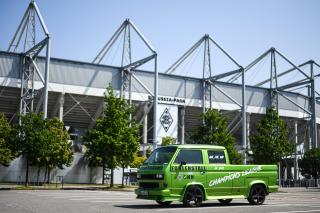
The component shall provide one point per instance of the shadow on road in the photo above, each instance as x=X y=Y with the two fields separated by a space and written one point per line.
x=156 y=206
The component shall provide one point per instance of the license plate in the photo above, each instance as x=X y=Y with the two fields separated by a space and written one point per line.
x=145 y=193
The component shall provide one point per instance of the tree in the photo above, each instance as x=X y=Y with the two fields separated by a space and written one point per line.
x=148 y=152
x=270 y=144
x=310 y=164
x=42 y=143
x=114 y=135
x=129 y=146
x=137 y=161
x=214 y=131
x=29 y=139
x=6 y=151
x=167 y=141
x=57 y=151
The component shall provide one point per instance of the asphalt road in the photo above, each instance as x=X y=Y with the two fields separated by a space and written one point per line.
x=13 y=201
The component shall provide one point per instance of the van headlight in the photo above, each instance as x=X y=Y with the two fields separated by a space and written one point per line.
x=159 y=176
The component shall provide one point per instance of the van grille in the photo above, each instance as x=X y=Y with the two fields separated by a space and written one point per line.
x=148 y=176
x=147 y=185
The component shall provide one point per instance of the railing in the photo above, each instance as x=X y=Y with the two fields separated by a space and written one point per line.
x=299 y=183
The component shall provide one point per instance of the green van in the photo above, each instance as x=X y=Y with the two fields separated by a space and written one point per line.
x=195 y=173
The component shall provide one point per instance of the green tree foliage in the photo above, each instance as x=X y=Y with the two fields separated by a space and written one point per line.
x=137 y=161
x=42 y=143
x=271 y=143
x=29 y=139
x=148 y=152
x=310 y=164
x=114 y=140
x=6 y=150
x=214 y=131
x=167 y=141
x=57 y=151
x=129 y=145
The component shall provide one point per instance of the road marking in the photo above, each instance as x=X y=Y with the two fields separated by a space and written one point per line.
x=121 y=201
x=94 y=197
x=102 y=198
x=316 y=210
x=76 y=193
x=106 y=197
x=66 y=195
x=293 y=196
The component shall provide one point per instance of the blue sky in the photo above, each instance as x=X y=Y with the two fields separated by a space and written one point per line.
x=245 y=28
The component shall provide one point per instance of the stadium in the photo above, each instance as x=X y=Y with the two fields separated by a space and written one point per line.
x=167 y=104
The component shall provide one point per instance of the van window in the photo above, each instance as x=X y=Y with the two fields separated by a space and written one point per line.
x=189 y=156
x=216 y=156
x=161 y=155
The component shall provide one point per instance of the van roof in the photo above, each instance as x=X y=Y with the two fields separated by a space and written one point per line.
x=197 y=146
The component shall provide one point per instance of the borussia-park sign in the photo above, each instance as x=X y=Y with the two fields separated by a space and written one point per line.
x=169 y=100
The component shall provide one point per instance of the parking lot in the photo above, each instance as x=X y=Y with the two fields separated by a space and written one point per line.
x=70 y=201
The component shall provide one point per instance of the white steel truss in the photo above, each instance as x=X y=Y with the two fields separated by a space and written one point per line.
x=128 y=66
x=27 y=31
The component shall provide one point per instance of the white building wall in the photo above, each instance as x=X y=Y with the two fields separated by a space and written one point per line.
x=78 y=172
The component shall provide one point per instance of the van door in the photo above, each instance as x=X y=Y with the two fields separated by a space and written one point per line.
x=219 y=180
x=187 y=167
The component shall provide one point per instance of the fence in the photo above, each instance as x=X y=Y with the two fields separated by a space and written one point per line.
x=299 y=183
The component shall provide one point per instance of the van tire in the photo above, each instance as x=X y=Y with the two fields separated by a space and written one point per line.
x=225 y=201
x=163 y=203
x=257 y=194
x=193 y=196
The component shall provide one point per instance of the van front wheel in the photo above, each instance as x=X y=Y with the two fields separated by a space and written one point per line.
x=193 y=196
x=257 y=195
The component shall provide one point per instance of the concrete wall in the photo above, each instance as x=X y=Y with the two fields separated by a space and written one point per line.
x=78 y=172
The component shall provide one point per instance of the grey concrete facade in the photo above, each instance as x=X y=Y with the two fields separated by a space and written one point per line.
x=80 y=78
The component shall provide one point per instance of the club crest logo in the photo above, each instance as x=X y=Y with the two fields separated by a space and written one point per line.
x=166 y=120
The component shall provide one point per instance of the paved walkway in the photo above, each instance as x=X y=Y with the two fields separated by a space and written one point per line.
x=299 y=189
x=105 y=187
x=88 y=201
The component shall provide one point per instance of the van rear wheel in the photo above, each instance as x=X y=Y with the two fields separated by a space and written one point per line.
x=257 y=195
x=163 y=203
x=193 y=196
x=224 y=201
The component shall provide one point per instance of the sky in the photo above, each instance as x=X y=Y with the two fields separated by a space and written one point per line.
x=244 y=28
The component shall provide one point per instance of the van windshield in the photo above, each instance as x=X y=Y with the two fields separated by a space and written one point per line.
x=161 y=155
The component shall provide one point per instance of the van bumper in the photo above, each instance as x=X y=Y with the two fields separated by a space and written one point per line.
x=155 y=194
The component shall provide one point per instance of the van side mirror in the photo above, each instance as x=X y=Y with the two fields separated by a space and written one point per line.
x=183 y=163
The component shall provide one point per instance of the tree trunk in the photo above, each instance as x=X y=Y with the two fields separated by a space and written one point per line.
x=111 y=178
x=103 y=173
x=45 y=174
x=38 y=174
x=122 y=183
x=315 y=182
x=27 y=174
x=49 y=170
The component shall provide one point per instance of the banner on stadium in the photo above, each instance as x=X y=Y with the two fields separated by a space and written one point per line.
x=167 y=118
